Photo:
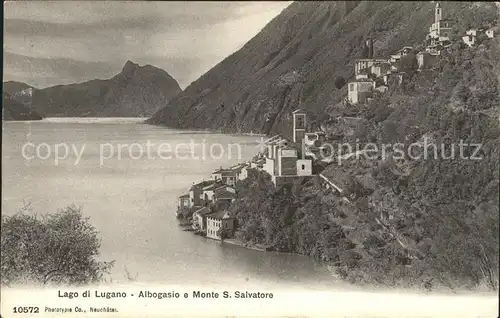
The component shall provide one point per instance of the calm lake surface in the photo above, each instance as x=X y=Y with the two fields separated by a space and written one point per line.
x=131 y=199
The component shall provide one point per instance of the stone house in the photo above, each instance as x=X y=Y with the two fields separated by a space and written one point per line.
x=218 y=220
x=471 y=35
x=360 y=90
x=226 y=176
x=183 y=201
x=225 y=193
x=366 y=64
x=244 y=172
x=200 y=219
x=426 y=59
x=196 y=195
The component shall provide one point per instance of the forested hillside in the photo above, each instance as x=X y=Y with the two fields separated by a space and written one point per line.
x=296 y=58
x=426 y=222
x=14 y=110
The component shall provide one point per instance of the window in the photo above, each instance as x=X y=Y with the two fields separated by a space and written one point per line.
x=303 y=167
x=351 y=87
x=300 y=121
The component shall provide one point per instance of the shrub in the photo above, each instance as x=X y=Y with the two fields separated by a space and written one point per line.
x=58 y=248
x=339 y=82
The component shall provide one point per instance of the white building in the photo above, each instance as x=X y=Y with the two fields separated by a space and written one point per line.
x=282 y=159
x=218 y=220
x=360 y=90
x=311 y=138
x=366 y=64
x=244 y=172
x=439 y=32
x=470 y=37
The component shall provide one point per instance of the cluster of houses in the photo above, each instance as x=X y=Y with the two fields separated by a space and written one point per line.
x=287 y=160
x=208 y=200
x=283 y=159
x=373 y=74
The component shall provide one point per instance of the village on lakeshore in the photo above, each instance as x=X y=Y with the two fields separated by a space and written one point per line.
x=206 y=205
x=284 y=160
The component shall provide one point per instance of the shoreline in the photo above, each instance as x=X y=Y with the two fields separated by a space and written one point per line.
x=208 y=130
x=254 y=247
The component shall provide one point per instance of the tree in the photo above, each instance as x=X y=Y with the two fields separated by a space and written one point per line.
x=58 y=248
x=365 y=51
x=223 y=233
x=339 y=82
x=409 y=63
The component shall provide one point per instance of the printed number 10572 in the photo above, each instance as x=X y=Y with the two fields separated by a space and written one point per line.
x=26 y=310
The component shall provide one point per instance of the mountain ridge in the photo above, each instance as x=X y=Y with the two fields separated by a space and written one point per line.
x=137 y=91
x=318 y=41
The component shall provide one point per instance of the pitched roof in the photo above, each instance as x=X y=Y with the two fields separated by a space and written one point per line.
x=238 y=167
x=224 y=194
x=371 y=60
x=362 y=80
x=217 y=215
x=287 y=147
x=230 y=173
x=203 y=183
x=275 y=137
x=220 y=170
x=212 y=186
x=224 y=186
x=203 y=211
x=274 y=141
x=184 y=196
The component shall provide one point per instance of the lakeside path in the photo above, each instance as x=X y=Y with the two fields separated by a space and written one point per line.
x=256 y=247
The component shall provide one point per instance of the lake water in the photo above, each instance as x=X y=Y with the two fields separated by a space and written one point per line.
x=131 y=199
x=131 y=195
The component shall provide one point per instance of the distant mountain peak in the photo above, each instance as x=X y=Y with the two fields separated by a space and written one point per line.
x=136 y=91
x=130 y=67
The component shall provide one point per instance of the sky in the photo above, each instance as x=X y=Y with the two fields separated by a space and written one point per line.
x=49 y=43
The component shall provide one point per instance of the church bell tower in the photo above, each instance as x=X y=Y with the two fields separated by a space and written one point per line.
x=299 y=125
x=438 y=13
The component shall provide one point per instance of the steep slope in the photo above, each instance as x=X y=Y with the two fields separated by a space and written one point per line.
x=428 y=221
x=295 y=59
x=137 y=91
x=14 y=110
x=422 y=217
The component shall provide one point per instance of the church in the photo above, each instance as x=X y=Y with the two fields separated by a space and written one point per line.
x=285 y=159
x=439 y=32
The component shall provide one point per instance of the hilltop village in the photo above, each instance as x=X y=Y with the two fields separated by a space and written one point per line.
x=285 y=160
x=377 y=74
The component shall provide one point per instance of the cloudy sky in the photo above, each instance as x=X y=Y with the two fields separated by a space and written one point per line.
x=48 y=43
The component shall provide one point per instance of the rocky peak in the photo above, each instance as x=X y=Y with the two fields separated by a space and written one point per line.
x=130 y=67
